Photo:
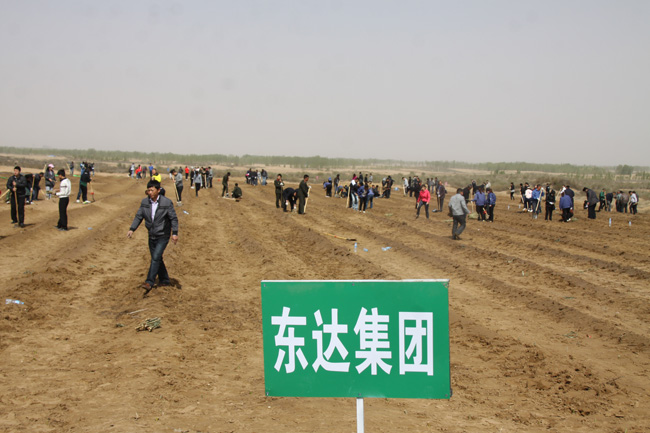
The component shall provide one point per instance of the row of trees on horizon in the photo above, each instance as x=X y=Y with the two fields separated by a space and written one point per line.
x=316 y=162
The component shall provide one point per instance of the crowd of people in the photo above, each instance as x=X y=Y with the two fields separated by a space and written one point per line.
x=424 y=191
x=25 y=189
x=359 y=193
x=532 y=197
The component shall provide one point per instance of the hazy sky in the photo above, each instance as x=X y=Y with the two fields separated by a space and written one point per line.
x=547 y=81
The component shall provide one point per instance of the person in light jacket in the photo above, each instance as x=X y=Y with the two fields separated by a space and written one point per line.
x=458 y=211
x=65 y=188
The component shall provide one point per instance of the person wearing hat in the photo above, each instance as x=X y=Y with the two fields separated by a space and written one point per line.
x=17 y=184
x=65 y=188
x=49 y=181
x=161 y=221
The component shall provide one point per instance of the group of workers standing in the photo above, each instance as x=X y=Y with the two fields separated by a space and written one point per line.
x=21 y=191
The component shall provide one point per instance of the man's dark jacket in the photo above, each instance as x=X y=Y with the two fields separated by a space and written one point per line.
x=21 y=184
x=287 y=194
x=303 y=189
x=165 y=222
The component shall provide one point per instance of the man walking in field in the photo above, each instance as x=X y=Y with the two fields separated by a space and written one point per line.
x=160 y=219
x=459 y=211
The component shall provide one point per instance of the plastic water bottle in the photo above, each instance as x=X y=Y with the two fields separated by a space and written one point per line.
x=14 y=301
x=629 y=223
x=610 y=222
x=355 y=247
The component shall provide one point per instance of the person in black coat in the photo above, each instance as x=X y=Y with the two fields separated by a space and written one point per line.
x=84 y=180
x=568 y=191
x=592 y=201
x=289 y=195
x=36 y=186
x=17 y=186
x=550 y=203
x=303 y=193
x=279 y=184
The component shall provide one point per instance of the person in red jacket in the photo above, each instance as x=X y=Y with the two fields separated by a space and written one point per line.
x=423 y=200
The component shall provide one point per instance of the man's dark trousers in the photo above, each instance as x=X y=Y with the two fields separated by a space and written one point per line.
x=63 y=213
x=459 y=221
x=591 y=211
x=20 y=218
x=157 y=248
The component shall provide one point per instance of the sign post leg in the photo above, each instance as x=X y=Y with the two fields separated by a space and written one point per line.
x=360 y=415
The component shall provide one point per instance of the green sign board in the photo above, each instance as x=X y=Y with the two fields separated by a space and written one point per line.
x=356 y=338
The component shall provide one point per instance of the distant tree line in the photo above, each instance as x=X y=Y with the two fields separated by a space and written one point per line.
x=317 y=162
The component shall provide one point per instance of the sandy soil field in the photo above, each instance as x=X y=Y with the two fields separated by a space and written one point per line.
x=549 y=322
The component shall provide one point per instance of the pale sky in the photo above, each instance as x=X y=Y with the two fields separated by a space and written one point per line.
x=536 y=81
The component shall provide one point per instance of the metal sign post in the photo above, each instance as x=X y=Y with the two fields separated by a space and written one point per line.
x=360 y=427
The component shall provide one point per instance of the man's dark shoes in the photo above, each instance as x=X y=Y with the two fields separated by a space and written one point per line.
x=22 y=225
x=147 y=288
x=165 y=283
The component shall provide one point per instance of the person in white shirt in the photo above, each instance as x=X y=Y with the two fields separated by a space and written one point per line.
x=63 y=193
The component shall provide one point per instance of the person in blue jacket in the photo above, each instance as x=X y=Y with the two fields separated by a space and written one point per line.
x=479 y=201
x=565 y=207
x=537 y=199
x=490 y=203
